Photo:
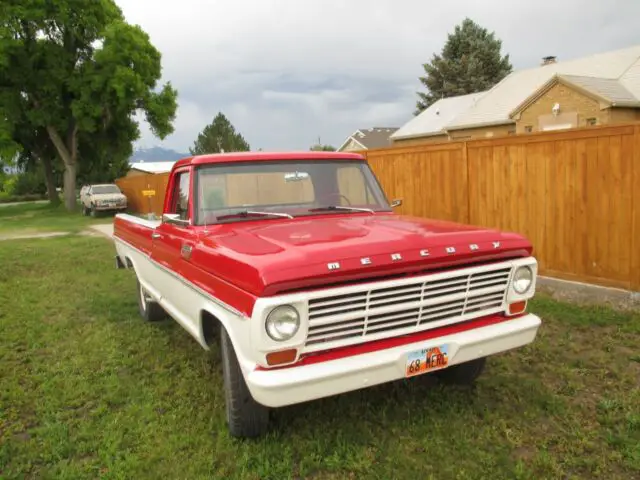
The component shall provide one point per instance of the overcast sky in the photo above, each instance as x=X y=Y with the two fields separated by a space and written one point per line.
x=286 y=72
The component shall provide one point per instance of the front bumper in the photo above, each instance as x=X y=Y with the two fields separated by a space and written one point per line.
x=287 y=386
x=109 y=208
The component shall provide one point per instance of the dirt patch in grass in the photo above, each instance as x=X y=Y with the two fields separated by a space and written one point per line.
x=31 y=235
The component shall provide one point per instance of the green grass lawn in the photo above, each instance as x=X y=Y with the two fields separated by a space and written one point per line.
x=90 y=391
x=42 y=217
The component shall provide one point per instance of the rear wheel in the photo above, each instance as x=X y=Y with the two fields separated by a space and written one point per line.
x=462 y=374
x=245 y=417
x=149 y=309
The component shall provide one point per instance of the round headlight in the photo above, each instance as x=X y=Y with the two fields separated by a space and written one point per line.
x=522 y=279
x=282 y=323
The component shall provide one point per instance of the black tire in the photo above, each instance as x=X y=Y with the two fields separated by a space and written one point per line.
x=93 y=211
x=246 y=418
x=462 y=374
x=150 y=310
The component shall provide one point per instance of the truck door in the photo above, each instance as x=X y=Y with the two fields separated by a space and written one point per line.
x=172 y=242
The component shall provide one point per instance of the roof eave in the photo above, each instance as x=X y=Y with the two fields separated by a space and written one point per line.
x=351 y=137
x=534 y=96
x=625 y=104
x=419 y=135
x=495 y=123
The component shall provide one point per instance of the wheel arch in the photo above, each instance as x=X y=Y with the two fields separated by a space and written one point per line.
x=212 y=318
x=210 y=326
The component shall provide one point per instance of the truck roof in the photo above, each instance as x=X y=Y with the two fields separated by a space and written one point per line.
x=265 y=156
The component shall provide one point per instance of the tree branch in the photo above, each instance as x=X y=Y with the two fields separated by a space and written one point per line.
x=60 y=146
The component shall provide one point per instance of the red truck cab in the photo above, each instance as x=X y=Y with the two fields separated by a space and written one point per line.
x=298 y=266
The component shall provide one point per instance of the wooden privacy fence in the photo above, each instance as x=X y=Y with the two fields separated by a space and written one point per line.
x=135 y=187
x=575 y=194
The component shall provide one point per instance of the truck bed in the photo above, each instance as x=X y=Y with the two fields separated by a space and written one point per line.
x=135 y=230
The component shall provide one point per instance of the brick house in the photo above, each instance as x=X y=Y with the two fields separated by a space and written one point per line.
x=599 y=89
x=568 y=101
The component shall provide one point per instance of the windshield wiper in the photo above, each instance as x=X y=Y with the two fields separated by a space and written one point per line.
x=338 y=207
x=247 y=213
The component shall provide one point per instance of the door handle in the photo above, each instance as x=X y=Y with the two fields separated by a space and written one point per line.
x=155 y=235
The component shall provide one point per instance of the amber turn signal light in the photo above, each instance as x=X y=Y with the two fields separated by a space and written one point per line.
x=517 y=307
x=281 y=357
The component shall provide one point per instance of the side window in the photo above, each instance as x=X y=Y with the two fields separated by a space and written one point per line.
x=181 y=195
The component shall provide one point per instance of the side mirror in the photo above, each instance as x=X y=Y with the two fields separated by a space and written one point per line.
x=396 y=203
x=175 y=219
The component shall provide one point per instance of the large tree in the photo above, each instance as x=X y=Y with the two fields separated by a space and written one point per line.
x=219 y=136
x=470 y=62
x=8 y=146
x=76 y=69
x=104 y=155
x=35 y=150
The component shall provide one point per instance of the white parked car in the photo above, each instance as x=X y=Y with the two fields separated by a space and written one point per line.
x=102 y=198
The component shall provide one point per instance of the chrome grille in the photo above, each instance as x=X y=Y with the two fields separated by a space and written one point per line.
x=428 y=302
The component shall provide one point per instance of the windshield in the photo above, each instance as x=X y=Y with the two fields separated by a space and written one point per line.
x=100 y=189
x=270 y=190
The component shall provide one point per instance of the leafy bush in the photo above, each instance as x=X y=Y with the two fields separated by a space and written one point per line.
x=8 y=184
x=29 y=183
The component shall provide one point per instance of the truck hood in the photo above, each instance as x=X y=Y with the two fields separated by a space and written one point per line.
x=268 y=257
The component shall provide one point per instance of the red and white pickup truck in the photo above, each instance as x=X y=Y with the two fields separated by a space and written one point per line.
x=297 y=265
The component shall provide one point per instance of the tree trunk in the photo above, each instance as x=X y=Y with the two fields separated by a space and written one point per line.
x=69 y=187
x=68 y=152
x=47 y=165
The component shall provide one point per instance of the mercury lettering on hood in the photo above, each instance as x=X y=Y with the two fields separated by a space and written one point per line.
x=267 y=256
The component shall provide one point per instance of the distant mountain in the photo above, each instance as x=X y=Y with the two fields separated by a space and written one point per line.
x=156 y=154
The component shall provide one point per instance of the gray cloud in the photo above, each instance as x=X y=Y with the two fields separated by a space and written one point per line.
x=286 y=71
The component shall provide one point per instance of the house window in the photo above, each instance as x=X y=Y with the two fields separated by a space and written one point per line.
x=592 y=121
x=528 y=128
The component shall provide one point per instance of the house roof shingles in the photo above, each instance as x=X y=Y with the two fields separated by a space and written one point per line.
x=433 y=120
x=495 y=107
x=610 y=89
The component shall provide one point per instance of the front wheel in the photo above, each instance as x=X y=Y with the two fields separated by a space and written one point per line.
x=464 y=373
x=245 y=417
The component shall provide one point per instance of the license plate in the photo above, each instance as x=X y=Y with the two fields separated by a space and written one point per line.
x=427 y=360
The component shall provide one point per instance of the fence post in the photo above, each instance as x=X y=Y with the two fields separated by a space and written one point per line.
x=635 y=211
